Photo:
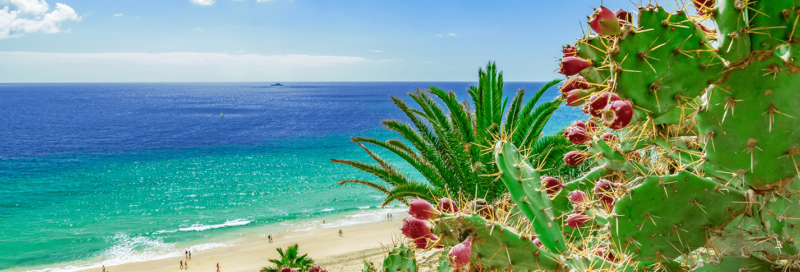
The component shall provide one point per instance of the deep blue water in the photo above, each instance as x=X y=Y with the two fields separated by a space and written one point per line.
x=110 y=173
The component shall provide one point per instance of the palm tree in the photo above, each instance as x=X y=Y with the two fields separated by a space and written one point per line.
x=450 y=148
x=289 y=259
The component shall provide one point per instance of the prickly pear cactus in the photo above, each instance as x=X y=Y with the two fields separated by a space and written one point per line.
x=400 y=259
x=692 y=130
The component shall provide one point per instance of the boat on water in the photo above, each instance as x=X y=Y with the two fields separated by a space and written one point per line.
x=277 y=84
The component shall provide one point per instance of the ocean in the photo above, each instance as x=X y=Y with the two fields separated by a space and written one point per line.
x=104 y=174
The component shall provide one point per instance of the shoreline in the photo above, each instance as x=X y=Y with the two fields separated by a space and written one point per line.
x=361 y=220
x=323 y=244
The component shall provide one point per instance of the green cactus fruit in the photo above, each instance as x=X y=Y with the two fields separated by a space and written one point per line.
x=400 y=259
x=666 y=217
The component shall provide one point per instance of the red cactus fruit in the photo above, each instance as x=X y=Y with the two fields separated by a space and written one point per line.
x=599 y=102
x=571 y=66
x=608 y=137
x=617 y=115
x=569 y=51
x=578 y=96
x=578 y=136
x=286 y=269
x=574 y=158
x=706 y=30
x=447 y=205
x=699 y=4
x=461 y=254
x=551 y=185
x=579 y=124
x=622 y=15
x=293 y=270
x=604 y=252
x=414 y=228
x=577 y=219
x=604 y=189
x=314 y=268
x=591 y=126
x=577 y=196
x=574 y=83
x=421 y=243
x=536 y=241
x=576 y=208
x=422 y=209
x=604 y=22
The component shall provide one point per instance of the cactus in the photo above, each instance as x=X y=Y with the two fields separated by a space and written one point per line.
x=694 y=165
x=400 y=259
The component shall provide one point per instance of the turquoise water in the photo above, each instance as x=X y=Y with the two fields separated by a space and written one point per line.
x=112 y=173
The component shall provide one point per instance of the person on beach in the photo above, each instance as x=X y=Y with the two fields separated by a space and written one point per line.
x=186 y=266
x=186 y=253
x=340 y=233
x=181 y=264
x=104 y=268
x=190 y=254
x=323 y=222
x=270 y=238
x=217 y=267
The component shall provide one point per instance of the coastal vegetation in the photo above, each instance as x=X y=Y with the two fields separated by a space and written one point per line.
x=450 y=146
x=291 y=259
x=678 y=181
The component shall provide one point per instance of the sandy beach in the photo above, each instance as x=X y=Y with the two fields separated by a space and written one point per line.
x=331 y=252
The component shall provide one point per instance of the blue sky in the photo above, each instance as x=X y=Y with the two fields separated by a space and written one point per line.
x=284 y=40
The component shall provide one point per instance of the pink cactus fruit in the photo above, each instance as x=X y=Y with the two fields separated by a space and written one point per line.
x=536 y=241
x=609 y=137
x=569 y=51
x=447 y=205
x=293 y=270
x=422 y=242
x=574 y=158
x=604 y=252
x=422 y=209
x=461 y=254
x=604 y=190
x=314 y=268
x=591 y=126
x=605 y=22
x=599 y=102
x=576 y=208
x=622 y=15
x=578 y=136
x=415 y=228
x=578 y=96
x=577 y=197
x=571 y=66
x=286 y=269
x=577 y=219
x=703 y=5
x=551 y=185
x=617 y=115
x=574 y=83
x=579 y=124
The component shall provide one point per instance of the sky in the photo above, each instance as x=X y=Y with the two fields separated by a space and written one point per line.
x=285 y=40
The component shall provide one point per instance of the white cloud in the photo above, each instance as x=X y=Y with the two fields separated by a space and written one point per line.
x=376 y=51
x=451 y=34
x=118 y=14
x=28 y=16
x=439 y=35
x=203 y=2
x=31 y=6
x=175 y=66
